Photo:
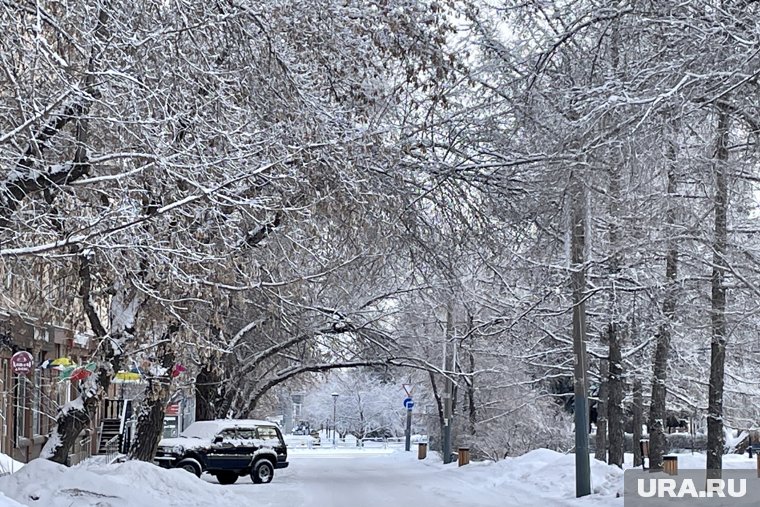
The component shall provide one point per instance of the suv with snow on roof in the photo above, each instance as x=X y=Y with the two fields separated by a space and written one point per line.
x=227 y=449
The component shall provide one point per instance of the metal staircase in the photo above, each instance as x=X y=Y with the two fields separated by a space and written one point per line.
x=115 y=434
x=109 y=429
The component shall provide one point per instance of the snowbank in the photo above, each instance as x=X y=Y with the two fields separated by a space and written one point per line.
x=553 y=474
x=9 y=465
x=540 y=474
x=42 y=482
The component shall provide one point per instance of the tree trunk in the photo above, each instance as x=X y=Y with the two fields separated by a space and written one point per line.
x=150 y=420
x=615 y=387
x=715 y=436
x=71 y=421
x=615 y=391
x=656 y=424
x=208 y=397
x=362 y=426
x=471 y=408
x=439 y=408
x=638 y=420
x=449 y=396
x=601 y=414
x=76 y=416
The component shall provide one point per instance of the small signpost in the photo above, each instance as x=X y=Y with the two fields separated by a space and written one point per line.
x=408 y=405
x=22 y=363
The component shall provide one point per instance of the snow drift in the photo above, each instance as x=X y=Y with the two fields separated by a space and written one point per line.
x=541 y=475
x=42 y=482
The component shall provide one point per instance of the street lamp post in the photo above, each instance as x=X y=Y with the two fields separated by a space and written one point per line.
x=335 y=405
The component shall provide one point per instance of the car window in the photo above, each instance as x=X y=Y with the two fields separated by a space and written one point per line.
x=228 y=434
x=246 y=433
x=267 y=433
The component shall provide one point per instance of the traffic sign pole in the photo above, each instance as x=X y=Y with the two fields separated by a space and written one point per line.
x=408 y=443
x=408 y=404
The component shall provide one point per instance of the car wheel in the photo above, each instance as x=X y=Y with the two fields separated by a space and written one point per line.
x=191 y=466
x=227 y=477
x=262 y=472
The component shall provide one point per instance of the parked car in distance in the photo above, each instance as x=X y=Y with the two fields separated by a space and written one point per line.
x=227 y=449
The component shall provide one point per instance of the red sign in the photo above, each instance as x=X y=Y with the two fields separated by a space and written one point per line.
x=172 y=409
x=22 y=363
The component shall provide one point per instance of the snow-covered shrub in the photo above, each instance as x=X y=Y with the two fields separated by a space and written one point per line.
x=686 y=442
x=540 y=424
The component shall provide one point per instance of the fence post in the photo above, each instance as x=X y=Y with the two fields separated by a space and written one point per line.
x=422 y=451
x=464 y=456
x=670 y=465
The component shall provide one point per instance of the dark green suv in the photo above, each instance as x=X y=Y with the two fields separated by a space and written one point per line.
x=227 y=449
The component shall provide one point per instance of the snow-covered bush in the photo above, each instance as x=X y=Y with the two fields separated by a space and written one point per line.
x=540 y=424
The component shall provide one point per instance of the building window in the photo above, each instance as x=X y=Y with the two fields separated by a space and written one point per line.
x=41 y=335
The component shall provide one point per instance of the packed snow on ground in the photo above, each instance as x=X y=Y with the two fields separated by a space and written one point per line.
x=335 y=477
x=379 y=478
x=130 y=484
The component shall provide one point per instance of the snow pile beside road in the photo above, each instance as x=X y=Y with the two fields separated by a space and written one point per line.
x=552 y=474
x=129 y=484
x=9 y=465
x=541 y=475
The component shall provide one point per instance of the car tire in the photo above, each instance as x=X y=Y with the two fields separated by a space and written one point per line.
x=227 y=477
x=191 y=465
x=263 y=472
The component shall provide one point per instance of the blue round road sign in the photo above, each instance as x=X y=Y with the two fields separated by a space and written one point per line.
x=408 y=403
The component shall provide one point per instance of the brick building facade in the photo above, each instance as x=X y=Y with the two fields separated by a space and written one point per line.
x=28 y=403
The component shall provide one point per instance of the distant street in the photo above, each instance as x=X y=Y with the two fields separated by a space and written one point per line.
x=345 y=478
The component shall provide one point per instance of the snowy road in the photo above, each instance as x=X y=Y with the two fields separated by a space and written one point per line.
x=324 y=478
x=365 y=479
